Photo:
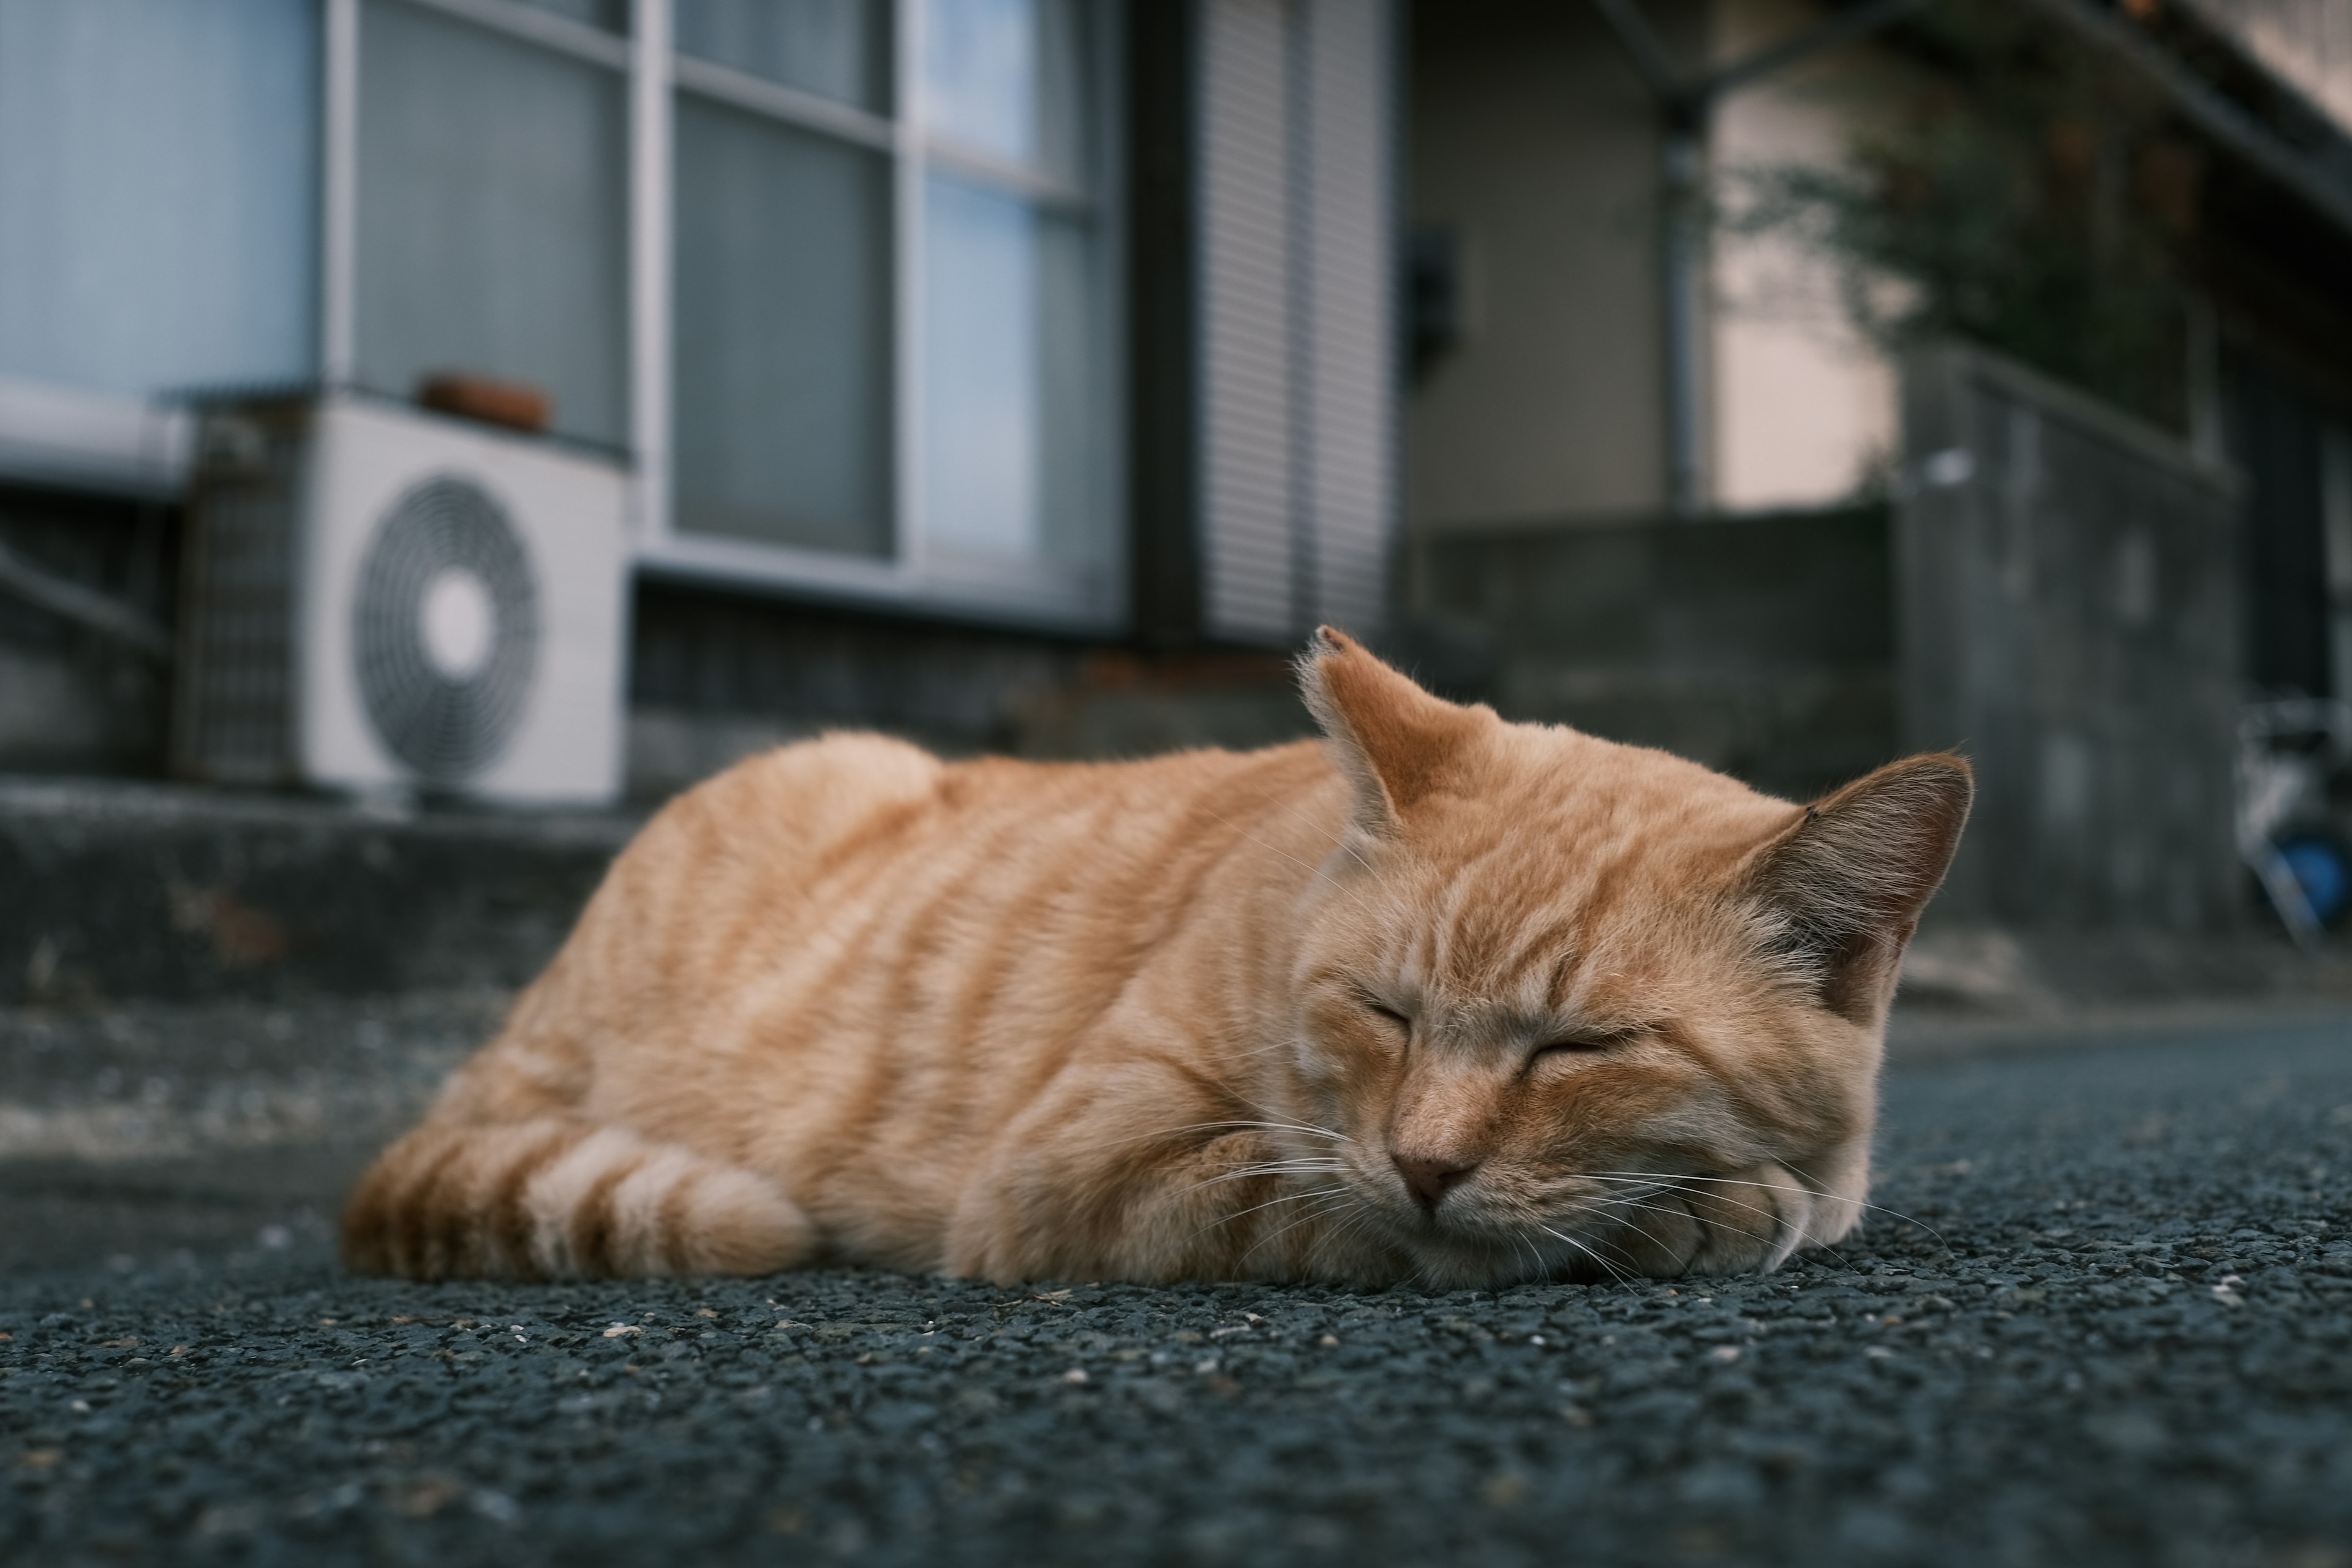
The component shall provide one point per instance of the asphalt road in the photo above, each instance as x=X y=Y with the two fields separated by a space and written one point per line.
x=2114 y=1324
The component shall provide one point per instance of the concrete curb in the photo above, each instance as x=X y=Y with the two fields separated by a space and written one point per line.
x=146 y=890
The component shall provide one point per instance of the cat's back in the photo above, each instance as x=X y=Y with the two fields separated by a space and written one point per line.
x=868 y=889
x=808 y=834
x=801 y=800
x=817 y=807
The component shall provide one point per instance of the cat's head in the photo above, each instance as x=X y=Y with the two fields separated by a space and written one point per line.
x=1582 y=1008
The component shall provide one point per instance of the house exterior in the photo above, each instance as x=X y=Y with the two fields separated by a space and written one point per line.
x=947 y=344
x=1538 y=154
x=1031 y=374
x=1665 y=486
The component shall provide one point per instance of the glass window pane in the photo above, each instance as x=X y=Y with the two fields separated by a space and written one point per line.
x=612 y=15
x=837 y=48
x=1011 y=411
x=158 y=192
x=491 y=203
x=1005 y=78
x=781 y=334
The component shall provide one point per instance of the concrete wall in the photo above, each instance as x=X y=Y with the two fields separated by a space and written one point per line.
x=715 y=676
x=2068 y=604
x=1762 y=646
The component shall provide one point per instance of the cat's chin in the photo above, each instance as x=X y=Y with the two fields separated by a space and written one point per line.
x=1466 y=1254
x=1487 y=1262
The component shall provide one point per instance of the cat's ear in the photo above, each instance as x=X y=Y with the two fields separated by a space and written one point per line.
x=1846 y=883
x=1397 y=743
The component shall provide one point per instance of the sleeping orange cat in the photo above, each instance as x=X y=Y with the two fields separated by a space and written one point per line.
x=1441 y=998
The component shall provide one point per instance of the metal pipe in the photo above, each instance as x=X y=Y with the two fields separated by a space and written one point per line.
x=100 y=612
x=1683 y=248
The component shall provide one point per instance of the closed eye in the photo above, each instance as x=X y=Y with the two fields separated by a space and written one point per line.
x=1577 y=1046
x=1382 y=1011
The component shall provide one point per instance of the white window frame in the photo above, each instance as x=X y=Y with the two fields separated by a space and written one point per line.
x=1042 y=594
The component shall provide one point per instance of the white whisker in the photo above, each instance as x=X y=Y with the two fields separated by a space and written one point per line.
x=1612 y=1268
x=1333 y=1198
x=1273 y=1168
x=1779 y=1221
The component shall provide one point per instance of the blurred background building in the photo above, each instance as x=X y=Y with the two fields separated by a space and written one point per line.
x=1786 y=383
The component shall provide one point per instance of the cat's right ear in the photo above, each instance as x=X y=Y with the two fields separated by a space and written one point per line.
x=1846 y=881
x=1398 y=744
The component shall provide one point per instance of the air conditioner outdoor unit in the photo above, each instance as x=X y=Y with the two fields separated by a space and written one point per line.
x=384 y=601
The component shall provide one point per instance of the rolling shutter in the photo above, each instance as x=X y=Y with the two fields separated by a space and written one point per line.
x=1296 y=316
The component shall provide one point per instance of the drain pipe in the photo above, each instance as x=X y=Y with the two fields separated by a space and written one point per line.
x=1682 y=252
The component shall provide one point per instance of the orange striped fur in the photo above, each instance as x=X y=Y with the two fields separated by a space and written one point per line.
x=1440 y=997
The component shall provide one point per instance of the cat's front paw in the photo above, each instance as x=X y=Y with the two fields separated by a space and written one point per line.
x=1748 y=1221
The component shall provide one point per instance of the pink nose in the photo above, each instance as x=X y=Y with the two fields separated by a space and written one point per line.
x=1429 y=1179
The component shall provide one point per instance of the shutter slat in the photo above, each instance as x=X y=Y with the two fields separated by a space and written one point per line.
x=1296 y=310
x=1350 y=354
x=1244 y=273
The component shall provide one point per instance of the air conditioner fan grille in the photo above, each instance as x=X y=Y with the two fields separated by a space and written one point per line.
x=448 y=725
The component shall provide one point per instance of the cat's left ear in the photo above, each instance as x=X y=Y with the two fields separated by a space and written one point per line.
x=1396 y=743
x=1848 y=879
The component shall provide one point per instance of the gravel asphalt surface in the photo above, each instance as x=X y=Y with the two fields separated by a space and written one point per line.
x=2112 y=1323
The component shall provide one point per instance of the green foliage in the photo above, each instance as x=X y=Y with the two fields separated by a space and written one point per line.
x=2025 y=195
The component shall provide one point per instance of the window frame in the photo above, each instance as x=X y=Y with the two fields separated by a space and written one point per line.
x=1037 y=593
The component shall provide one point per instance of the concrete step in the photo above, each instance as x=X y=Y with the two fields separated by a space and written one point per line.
x=112 y=889
x=143 y=1129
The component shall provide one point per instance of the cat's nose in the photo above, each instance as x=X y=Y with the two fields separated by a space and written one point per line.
x=1429 y=1179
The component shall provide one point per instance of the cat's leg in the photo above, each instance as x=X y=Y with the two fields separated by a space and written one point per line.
x=1139 y=1174
x=1748 y=1221
x=555 y=1198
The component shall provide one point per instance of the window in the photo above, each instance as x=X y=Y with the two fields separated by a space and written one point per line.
x=837 y=275
x=839 y=272
x=1008 y=389
x=492 y=202
x=891 y=331
x=783 y=426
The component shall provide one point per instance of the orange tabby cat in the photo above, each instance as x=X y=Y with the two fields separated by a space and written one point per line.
x=1441 y=998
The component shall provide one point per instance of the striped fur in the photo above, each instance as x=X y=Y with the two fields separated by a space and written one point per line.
x=1203 y=1016
x=550 y=1199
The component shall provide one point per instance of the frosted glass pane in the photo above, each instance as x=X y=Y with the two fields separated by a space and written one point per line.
x=1004 y=78
x=838 y=49
x=491 y=205
x=158 y=179
x=1010 y=404
x=783 y=334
